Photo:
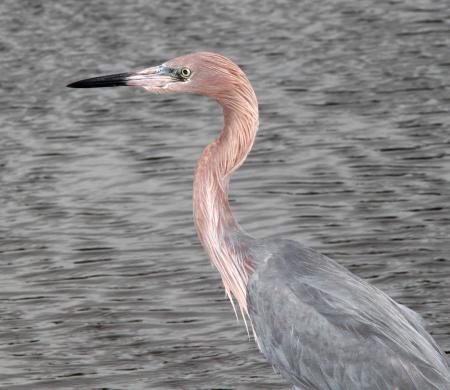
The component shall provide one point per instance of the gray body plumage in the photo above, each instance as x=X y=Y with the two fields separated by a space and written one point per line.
x=324 y=328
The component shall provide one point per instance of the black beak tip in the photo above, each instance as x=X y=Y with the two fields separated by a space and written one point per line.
x=114 y=80
x=76 y=84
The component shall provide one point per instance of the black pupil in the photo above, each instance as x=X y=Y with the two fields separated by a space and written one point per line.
x=185 y=72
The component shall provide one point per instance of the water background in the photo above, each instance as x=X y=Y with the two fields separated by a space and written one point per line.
x=102 y=281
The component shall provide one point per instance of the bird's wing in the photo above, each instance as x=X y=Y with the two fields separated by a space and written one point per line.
x=325 y=328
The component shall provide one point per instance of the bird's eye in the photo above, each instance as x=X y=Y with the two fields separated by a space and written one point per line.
x=185 y=73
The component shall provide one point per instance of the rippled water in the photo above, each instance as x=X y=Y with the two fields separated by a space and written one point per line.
x=103 y=282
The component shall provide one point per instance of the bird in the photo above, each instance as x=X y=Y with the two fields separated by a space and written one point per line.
x=318 y=324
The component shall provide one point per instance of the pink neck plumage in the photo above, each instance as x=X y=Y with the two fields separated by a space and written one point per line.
x=216 y=227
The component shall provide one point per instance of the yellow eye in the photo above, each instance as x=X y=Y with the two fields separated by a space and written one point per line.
x=185 y=73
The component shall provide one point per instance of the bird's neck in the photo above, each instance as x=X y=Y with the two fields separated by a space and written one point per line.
x=217 y=229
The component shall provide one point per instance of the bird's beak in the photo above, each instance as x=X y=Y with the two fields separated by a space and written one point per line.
x=152 y=79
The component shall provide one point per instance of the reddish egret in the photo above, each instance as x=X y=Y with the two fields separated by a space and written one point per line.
x=318 y=324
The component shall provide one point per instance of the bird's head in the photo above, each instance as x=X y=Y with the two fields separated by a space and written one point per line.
x=200 y=73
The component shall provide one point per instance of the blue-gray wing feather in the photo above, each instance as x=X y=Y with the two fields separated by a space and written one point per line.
x=324 y=328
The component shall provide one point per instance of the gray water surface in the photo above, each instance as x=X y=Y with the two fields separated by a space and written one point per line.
x=103 y=282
